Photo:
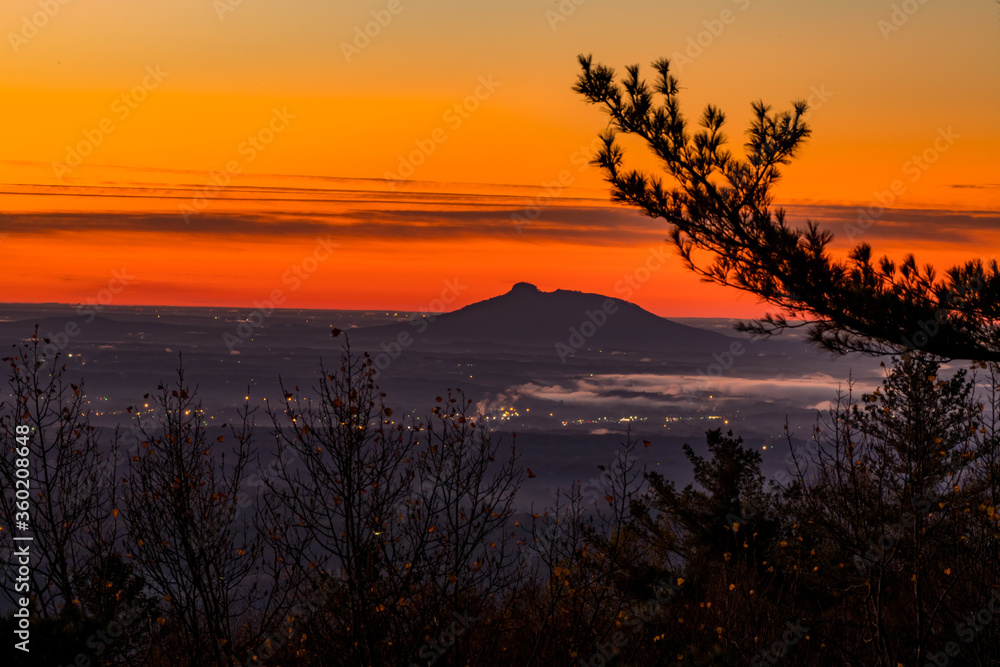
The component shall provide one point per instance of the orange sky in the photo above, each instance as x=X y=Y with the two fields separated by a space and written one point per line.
x=161 y=94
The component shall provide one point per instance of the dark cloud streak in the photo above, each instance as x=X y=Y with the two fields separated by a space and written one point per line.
x=352 y=213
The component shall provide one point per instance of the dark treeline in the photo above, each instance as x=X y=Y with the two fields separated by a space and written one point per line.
x=364 y=539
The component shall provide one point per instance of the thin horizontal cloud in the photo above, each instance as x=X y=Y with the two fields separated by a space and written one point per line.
x=664 y=391
x=354 y=212
x=565 y=225
x=524 y=197
x=146 y=223
x=955 y=227
x=411 y=185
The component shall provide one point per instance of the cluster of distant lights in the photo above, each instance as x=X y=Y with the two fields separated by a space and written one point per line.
x=137 y=412
x=506 y=414
x=633 y=418
x=605 y=420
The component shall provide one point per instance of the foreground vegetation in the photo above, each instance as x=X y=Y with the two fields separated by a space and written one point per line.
x=354 y=538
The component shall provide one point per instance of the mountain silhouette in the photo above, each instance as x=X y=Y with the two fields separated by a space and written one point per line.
x=528 y=317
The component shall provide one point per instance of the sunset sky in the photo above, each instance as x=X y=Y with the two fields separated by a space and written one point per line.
x=120 y=117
